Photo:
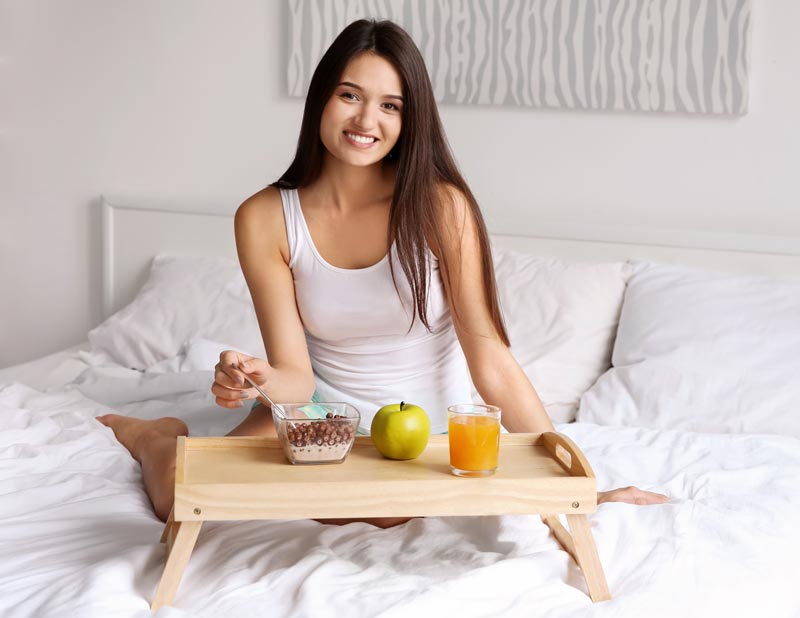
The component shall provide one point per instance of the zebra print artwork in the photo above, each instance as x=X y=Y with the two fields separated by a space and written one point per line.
x=687 y=56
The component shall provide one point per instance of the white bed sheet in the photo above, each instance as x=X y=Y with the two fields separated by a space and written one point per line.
x=78 y=537
x=48 y=372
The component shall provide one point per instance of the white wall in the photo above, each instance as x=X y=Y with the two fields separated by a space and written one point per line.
x=185 y=100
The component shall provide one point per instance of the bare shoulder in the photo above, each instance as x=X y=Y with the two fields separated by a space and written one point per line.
x=454 y=204
x=260 y=207
x=260 y=225
x=454 y=217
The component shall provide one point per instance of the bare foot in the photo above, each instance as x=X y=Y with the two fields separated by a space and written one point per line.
x=631 y=495
x=134 y=433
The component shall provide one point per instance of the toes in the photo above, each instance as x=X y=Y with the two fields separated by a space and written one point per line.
x=105 y=419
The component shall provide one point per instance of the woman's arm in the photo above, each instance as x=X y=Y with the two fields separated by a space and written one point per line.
x=502 y=382
x=494 y=370
x=264 y=257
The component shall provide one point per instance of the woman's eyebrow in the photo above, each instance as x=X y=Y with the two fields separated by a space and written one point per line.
x=357 y=87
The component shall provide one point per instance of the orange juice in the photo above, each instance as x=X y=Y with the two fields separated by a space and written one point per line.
x=474 y=442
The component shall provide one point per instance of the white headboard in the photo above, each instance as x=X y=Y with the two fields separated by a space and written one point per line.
x=134 y=233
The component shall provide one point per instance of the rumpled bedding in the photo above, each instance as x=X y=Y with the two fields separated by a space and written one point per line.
x=78 y=536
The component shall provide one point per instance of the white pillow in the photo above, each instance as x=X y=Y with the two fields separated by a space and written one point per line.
x=703 y=352
x=561 y=319
x=184 y=298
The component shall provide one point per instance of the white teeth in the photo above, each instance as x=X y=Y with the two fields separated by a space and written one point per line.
x=360 y=138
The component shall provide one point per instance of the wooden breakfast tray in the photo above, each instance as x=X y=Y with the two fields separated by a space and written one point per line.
x=242 y=478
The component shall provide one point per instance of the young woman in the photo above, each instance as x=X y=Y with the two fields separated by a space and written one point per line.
x=369 y=266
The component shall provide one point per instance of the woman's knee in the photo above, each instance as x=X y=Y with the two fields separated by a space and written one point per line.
x=163 y=506
x=258 y=423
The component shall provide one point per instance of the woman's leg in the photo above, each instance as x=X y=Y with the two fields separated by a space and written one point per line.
x=153 y=445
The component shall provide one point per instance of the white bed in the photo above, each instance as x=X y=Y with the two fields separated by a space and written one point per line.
x=78 y=537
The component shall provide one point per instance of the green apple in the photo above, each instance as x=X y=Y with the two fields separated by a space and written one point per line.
x=400 y=431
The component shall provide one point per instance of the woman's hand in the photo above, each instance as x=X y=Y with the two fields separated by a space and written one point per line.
x=631 y=495
x=230 y=387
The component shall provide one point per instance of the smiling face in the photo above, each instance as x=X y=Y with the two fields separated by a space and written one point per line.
x=361 y=122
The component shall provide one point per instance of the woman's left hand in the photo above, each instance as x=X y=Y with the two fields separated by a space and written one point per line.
x=631 y=495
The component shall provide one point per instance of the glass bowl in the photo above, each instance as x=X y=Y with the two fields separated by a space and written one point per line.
x=316 y=433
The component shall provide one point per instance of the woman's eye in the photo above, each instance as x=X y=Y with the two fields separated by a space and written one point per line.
x=349 y=96
x=391 y=107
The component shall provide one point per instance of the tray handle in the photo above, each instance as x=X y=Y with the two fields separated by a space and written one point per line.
x=567 y=454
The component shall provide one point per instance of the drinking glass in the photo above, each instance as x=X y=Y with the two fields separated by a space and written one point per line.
x=474 y=434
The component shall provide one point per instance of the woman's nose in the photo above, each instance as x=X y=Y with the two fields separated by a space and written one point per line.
x=365 y=119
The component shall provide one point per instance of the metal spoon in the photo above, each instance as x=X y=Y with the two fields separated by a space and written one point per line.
x=275 y=406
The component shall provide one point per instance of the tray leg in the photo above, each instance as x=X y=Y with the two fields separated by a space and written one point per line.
x=178 y=557
x=587 y=557
x=168 y=526
x=561 y=533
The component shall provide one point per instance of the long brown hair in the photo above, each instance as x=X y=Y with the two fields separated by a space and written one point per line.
x=425 y=163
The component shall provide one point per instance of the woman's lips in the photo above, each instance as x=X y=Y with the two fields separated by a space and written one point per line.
x=357 y=140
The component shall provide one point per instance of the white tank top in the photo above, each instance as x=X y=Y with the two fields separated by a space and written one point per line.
x=357 y=329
